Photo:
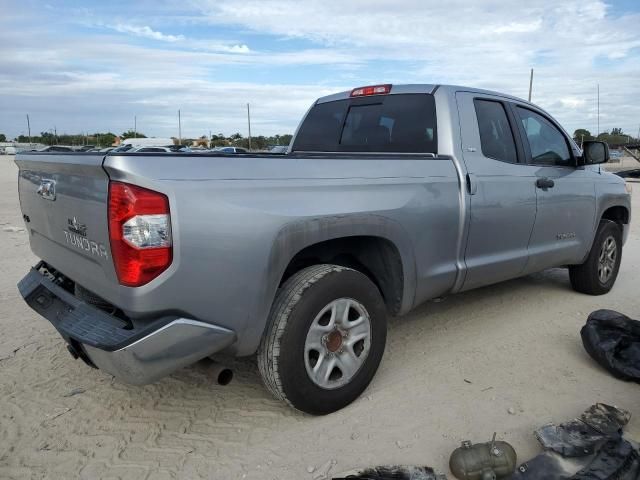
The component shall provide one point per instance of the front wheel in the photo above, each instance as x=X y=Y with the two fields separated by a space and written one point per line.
x=325 y=340
x=598 y=273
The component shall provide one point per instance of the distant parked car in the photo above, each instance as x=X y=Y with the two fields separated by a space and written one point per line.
x=230 y=150
x=148 y=142
x=122 y=148
x=56 y=148
x=279 y=149
x=10 y=150
x=98 y=149
x=151 y=150
x=179 y=148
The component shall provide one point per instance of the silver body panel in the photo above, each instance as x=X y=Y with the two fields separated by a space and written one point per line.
x=173 y=346
x=237 y=222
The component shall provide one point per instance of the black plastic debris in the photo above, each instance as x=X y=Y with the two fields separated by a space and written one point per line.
x=606 y=419
x=393 y=472
x=590 y=447
x=613 y=340
x=616 y=460
x=635 y=173
x=586 y=434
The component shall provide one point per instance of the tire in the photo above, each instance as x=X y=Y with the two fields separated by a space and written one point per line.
x=587 y=278
x=307 y=305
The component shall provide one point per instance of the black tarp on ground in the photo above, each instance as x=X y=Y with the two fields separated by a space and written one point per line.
x=395 y=472
x=590 y=447
x=613 y=340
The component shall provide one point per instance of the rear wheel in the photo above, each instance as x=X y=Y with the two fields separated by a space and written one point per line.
x=325 y=340
x=598 y=273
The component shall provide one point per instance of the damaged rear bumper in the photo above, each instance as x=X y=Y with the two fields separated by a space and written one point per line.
x=134 y=354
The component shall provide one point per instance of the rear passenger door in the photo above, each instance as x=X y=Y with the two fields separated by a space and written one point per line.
x=501 y=190
x=566 y=205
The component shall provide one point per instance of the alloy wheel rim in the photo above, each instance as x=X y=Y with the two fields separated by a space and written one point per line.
x=607 y=259
x=338 y=343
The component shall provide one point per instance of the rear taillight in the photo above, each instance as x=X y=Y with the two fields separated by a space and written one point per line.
x=371 y=90
x=140 y=233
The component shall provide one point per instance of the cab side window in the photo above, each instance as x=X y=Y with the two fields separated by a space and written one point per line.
x=548 y=145
x=496 y=137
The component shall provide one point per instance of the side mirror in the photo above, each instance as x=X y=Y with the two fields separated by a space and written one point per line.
x=594 y=152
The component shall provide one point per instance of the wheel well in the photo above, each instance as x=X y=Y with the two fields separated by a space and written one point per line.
x=376 y=257
x=617 y=214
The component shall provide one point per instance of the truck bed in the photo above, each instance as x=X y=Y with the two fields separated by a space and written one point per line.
x=218 y=205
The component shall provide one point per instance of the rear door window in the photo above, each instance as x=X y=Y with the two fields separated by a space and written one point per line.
x=496 y=137
x=404 y=123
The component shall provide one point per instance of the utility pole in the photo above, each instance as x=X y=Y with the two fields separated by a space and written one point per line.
x=29 y=129
x=135 y=127
x=179 y=129
x=55 y=134
x=249 y=122
x=598 y=132
x=530 y=84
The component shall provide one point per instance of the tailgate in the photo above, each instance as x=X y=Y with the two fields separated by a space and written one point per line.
x=64 y=200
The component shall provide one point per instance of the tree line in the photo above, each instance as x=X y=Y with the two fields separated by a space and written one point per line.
x=259 y=142
x=615 y=138
x=107 y=139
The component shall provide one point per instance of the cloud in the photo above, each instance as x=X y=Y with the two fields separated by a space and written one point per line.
x=184 y=42
x=514 y=27
x=235 y=49
x=572 y=102
x=145 y=32
x=490 y=44
x=211 y=57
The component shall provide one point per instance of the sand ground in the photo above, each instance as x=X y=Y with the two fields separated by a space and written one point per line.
x=452 y=371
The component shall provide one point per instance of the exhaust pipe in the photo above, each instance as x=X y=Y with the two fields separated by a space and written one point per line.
x=222 y=375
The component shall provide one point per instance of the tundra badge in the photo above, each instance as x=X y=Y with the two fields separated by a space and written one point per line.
x=76 y=236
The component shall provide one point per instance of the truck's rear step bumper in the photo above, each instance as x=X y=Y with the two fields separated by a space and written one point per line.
x=134 y=355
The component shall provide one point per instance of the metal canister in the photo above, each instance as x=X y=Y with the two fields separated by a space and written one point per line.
x=492 y=460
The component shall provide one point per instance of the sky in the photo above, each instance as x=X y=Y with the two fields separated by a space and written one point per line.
x=87 y=66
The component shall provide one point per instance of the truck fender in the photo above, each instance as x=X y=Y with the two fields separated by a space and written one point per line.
x=297 y=235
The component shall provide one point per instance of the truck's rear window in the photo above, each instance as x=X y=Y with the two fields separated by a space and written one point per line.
x=386 y=123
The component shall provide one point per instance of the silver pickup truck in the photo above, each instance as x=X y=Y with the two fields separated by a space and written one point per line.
x=390 y=195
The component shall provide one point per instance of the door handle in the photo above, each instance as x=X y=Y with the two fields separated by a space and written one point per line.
x=544 y=183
